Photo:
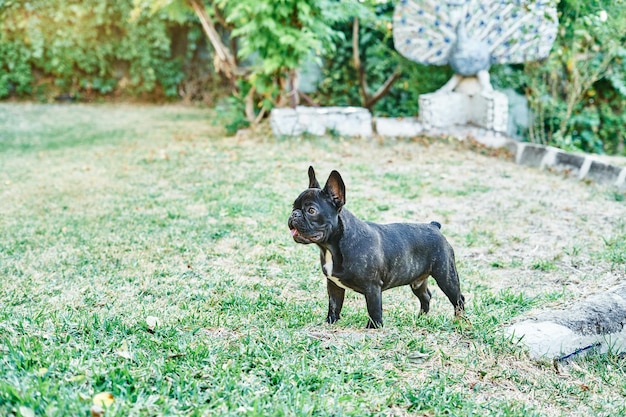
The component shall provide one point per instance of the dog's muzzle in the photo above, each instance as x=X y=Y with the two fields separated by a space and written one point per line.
x=294 y=219
x=295 y=227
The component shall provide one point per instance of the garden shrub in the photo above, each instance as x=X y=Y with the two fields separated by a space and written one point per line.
x=578 y=94
x=86 y=47
x=340 y=86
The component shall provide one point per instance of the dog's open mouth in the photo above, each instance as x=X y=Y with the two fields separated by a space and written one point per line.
x=299 y=237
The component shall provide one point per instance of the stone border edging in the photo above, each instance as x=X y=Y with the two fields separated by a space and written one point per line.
x=357 y=121
x=346 y=121
x=583 y=166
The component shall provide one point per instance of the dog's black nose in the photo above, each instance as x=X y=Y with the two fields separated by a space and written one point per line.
x=296 y=215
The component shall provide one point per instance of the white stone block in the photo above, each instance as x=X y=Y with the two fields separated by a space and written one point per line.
x=347 y=121
x=350 y=121
x=284 y=122
x=444 y=109
x=487 y=109
x=398 y=127
x=312 y=120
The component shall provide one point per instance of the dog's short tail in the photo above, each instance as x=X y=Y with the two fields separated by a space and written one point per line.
x=436 y=224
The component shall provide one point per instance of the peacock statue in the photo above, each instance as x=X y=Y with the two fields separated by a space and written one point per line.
x=471 y=35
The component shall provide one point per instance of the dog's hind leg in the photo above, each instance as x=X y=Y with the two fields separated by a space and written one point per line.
x=448 y=280
x=421 y=291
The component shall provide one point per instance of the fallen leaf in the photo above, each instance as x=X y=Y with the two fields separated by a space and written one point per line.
x=152 y=322
x=96 y=411
x=26 y=411
x=103 y=399
x=123 y=351
x=418 y=357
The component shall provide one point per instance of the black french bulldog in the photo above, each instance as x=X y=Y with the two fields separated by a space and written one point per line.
x=369 y=257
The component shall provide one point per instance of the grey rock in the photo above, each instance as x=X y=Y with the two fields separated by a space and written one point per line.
x=598 y=321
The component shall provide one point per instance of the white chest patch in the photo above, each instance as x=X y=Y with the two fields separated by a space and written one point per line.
x=328 y=270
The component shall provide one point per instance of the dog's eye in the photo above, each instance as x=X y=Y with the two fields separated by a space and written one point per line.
x=312 y=210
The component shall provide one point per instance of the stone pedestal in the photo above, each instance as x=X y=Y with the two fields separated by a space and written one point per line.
x=467 y=104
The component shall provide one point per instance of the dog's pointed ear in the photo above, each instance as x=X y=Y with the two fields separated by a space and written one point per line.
x=312 y=180
x=336 y=189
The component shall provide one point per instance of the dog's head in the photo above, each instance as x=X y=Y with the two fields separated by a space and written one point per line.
x=315 y=215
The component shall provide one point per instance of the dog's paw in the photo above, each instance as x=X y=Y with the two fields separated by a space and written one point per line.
x=332 y=319
x=374 y=325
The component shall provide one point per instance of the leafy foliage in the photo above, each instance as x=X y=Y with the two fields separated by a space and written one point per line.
x=231 y=114
x=577 y=95
x=339 y=84
x=283 y=33
x=84 y=47
x=276 y=37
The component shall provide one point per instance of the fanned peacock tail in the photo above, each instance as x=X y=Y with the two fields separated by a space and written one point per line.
x=515 y=31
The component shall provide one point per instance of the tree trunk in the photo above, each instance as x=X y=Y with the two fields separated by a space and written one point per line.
x=369 y=100
x=224 y=61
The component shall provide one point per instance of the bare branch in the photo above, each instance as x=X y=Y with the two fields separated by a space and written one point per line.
x=253 y=118
x=355 y=43
x=220 y=18
x=259 y=116
x=249 y=100
x=308 y=99
x=360 y=71
x=384 y=89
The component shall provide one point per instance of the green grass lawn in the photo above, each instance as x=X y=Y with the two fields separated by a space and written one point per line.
x=144 y=254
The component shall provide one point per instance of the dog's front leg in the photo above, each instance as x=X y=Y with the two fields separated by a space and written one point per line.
x=335 y=301
x=374 y=300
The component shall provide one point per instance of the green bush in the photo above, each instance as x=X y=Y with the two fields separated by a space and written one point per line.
x=82 y=47
x=578 y=94
x=340 y=85
x=15 y=71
